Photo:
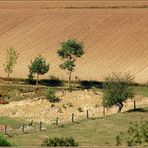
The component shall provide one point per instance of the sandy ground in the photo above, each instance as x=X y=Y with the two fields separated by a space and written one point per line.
x=76 y=102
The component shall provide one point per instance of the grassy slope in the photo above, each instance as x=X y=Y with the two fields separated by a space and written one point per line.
x=100 y=131
x=141 y=90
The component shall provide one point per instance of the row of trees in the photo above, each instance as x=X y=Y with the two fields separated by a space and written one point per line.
x=69 y=51
x=117 y=87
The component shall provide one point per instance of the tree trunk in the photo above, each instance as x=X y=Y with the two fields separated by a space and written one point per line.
x=8 y=77
x=69 y=79
x=37 y=79
x=120 y=105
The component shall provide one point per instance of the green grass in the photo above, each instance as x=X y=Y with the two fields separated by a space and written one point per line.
x=92 y=132
x=141 y=90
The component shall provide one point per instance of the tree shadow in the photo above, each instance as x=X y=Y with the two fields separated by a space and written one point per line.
x=138 y=110
x=90 y=84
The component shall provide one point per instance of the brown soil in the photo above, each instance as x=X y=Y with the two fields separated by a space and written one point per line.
x=114 y=39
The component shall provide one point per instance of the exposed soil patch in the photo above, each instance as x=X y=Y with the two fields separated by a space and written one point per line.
x=77 y=102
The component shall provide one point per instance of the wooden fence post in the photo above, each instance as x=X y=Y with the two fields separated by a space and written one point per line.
x=5 y=130
x=57 y=121
x=72 y=117
x=23 y=128
x=134 y=105
x=40 y=127
x=103 y=110
x=87 y=114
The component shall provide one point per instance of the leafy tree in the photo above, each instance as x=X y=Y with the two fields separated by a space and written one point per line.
x=39 y=67
x=136 y=135
x=11 y=60
x=117 y=89
x=69 y=51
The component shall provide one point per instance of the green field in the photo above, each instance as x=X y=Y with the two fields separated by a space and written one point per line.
x=91 y=132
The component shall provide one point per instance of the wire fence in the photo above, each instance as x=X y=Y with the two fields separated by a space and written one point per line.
x=38 y=127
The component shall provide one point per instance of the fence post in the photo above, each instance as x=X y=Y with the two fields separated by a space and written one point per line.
x=72 y=117
x=23 y=128
x=5 y=130
x=87 y=114
x=57 y=121
x=40 y=127
x=134 y=105
x=103 y=110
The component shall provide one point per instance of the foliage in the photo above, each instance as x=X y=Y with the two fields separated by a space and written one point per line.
x=117 y=89
x=11 y=60
x=60 y=142
x=50 y=94
x=4 y=141
x=136 y=135
x=38 y=66
x=70 y=50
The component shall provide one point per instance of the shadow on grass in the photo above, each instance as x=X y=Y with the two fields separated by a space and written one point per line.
x=90 y=84
x=137 y=110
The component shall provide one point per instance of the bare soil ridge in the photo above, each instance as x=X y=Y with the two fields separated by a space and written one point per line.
x=77 y=102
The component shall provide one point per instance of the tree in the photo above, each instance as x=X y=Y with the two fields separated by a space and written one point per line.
x=69 y=51
x=11 y=60
x=39 y=67
x=117 y=89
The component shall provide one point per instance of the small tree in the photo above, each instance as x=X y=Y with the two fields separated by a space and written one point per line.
x=11 y=60
x=51 y=95
x=39 y=67
x=70 y=50
x=117 y=89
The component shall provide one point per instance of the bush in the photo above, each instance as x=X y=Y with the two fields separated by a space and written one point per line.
x=4 y=142
x=60 y=142
x=136 y=135
x=50 y=94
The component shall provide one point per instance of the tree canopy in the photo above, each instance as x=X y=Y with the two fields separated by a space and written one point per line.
x=117 y=89
x=69 y=51
x=11 y=60
x=38 y=66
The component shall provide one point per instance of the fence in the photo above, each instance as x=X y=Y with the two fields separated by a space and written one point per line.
x=57 y=121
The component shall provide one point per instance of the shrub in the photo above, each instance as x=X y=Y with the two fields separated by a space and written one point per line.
x=50 y=94
x=136 y=135
x=4 y=141
x=80 y=109
x=56 y=141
